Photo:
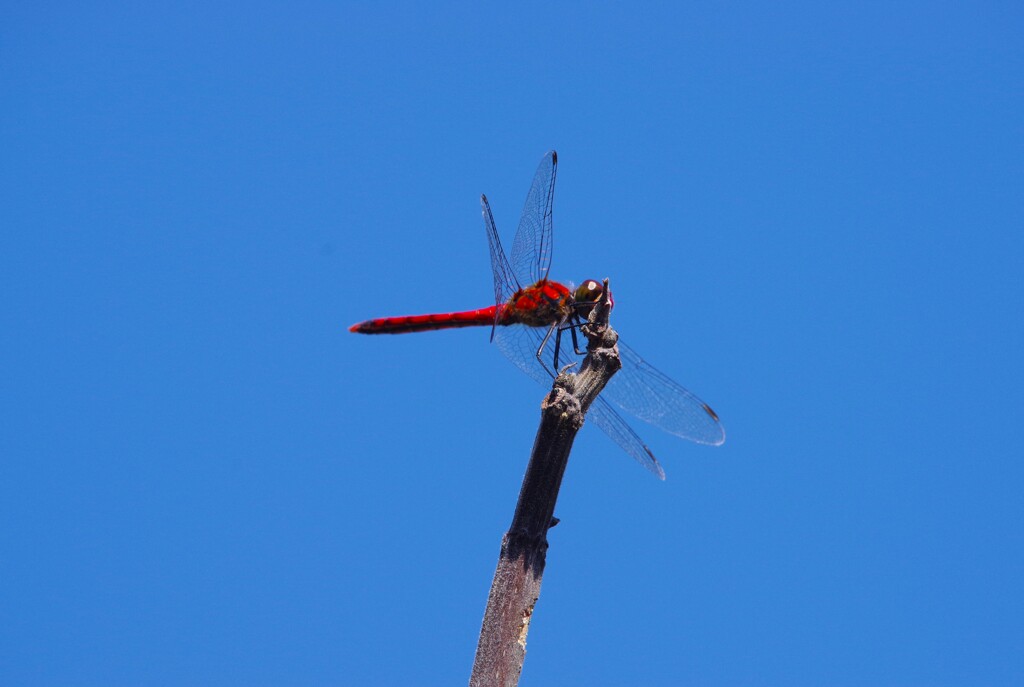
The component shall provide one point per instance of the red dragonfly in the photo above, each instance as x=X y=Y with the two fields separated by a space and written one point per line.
x=527 y=322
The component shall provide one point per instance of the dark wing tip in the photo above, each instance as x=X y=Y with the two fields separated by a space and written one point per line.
x=714 y=416
x=554 y=157
x=657 y=469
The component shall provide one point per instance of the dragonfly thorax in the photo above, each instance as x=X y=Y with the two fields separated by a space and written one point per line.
x=539 y=305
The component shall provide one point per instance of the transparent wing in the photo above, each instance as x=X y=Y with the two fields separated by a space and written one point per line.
x=531 y=248
x=646 y=393
x=505 y=283
x=519 y=344
x=612 y=424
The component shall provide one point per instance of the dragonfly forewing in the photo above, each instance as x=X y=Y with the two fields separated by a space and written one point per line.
x=531 y=247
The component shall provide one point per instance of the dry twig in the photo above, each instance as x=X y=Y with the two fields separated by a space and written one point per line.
x=516 y=587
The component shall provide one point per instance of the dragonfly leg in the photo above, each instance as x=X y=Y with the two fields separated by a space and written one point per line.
x=544 y=342
x=572 y=327
x=558 y=346
x=575 y=341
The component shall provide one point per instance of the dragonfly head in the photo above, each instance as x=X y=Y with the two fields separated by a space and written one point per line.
x=588 y=294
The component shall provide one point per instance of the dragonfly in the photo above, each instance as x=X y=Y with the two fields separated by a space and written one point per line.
x=529 y=315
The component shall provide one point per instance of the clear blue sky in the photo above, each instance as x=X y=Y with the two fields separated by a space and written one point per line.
x=812 y=217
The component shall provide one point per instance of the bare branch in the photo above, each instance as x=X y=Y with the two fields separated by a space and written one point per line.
x=516 y=587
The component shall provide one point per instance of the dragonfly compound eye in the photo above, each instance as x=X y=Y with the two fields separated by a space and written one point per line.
x=589 y=291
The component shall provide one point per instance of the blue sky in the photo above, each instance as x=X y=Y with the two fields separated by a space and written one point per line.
x=811 y=216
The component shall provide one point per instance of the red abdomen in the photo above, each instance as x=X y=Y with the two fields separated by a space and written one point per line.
x=422 y=323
